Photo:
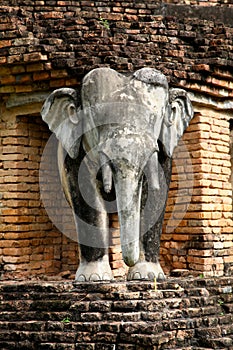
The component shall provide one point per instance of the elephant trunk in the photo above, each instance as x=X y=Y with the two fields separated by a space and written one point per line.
x=128 y=195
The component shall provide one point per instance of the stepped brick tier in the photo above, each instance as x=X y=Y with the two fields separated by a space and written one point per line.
x=46 y=45
x=187 y=313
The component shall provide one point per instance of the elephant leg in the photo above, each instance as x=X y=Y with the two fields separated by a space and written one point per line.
x=152 y=216
x=91 y=221
x=93 y=248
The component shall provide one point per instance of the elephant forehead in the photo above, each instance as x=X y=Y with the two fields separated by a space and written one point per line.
x=129 y=115
x=105 y=85
x=99 y=83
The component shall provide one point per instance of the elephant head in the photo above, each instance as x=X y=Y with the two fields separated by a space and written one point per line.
x=120 y=122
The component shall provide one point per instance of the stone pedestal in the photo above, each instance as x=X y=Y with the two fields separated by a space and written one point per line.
x=177 y=314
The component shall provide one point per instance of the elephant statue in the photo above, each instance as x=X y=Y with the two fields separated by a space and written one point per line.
x=116 y=140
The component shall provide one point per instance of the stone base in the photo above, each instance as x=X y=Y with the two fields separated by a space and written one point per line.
x=180 y=313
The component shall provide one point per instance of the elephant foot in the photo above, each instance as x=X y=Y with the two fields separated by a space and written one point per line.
x=94 y=271
x=146 y=271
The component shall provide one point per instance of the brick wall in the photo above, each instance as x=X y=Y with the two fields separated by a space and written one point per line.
x=29 y=243
x=24 y=225
x=45 y=45
x=198 y=226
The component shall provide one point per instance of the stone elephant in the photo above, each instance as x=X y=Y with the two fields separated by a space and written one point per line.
x=115 y=152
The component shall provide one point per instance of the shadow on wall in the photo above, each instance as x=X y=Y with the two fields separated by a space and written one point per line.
x=51 y=191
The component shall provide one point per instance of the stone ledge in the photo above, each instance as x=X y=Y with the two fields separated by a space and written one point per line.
x=222 y=13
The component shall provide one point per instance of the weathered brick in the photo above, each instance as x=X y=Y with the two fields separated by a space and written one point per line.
x=41 y=76
x=34 y=56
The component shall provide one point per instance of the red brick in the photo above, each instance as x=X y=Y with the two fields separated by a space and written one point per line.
x=41 y=76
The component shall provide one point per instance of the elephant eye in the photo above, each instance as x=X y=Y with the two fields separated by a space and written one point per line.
x=72 y=113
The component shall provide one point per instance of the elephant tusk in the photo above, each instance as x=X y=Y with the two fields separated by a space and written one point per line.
x=107 y=177
x=106 y=172
x=153 y=169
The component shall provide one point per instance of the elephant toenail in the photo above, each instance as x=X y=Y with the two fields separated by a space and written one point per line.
x=81 y=278
x=151 y=276
x=160 y=277
x=94 y=277
x=137 y=276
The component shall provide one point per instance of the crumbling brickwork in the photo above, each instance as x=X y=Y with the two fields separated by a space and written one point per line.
x=50 y=44
x=190 y=314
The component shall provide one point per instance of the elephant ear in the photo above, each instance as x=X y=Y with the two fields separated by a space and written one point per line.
x=63 y=117
x=177 y=118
